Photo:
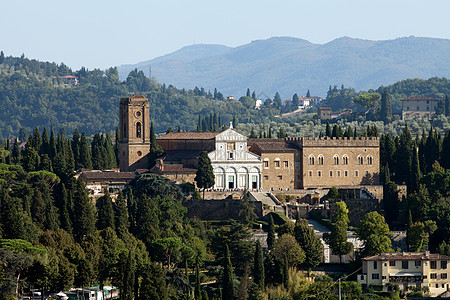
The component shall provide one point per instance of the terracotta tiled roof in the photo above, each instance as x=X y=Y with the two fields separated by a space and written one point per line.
x=174 y=168
x=325 y=107
x=271 y=145
x=414 y=98
x=189 y=136
x=107 y=176
x=407 y=256
x=177 y=155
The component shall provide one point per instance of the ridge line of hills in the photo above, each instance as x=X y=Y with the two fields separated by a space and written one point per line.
x=288 y=65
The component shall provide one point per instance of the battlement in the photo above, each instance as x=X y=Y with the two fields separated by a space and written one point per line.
x=137 y=99
x=334 y=142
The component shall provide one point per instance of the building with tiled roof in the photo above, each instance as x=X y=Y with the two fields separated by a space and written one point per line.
x=97 y=181
x=279 y=170
x=407 y=270
x=420 y=106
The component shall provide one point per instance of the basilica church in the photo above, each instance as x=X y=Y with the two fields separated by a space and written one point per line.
x=242 y=163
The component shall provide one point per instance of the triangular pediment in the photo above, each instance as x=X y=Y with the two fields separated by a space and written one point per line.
x=231 y=135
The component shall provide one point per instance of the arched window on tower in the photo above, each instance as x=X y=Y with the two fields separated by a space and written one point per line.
x=360 y=160
x=369 y=159
x=345 y=159
x=311 y=159
x=320 y=159
x=138 y=129
x=336 y=159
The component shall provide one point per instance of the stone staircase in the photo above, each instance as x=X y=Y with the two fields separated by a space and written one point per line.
x=268 y=199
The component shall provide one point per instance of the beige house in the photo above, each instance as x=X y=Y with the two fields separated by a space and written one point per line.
x=419 y=107
x=407 y=270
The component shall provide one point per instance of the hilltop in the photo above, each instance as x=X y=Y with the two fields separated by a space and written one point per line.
x=289 y=65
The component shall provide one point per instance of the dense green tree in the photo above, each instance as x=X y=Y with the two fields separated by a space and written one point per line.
x=155 y=150
x=288 y=250
x=204 y=175
x=328 y=131
x=153 y=285
x=258 y=267
x=386 y=107
x=121 y=215
x=403 y=156
x=105 y=212
x=415 y=173
x=271 y=234
x=85 y=160
x=337 y=239
x=147 y=216
x=309 y=242
x=374 y=232
x=83 y=220
x=333 y=194
x=227 y=279
x=445 y=154
x=247 y=210
x=418 y=235
x=295 y=101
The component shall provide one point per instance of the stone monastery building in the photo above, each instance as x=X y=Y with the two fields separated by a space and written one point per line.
x=239 y=162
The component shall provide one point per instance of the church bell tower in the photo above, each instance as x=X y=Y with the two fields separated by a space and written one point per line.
x=134 y=122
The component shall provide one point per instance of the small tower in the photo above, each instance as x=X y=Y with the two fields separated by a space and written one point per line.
x=134 y=144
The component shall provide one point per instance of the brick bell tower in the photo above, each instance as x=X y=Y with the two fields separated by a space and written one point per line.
x=134 y=144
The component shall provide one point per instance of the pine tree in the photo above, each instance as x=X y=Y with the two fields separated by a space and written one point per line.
x=271 y=234
x=258 y=269
x=227 y=280
x=105 y=212
x=205 y=174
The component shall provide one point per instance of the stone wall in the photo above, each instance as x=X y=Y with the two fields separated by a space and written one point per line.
x=278 y=171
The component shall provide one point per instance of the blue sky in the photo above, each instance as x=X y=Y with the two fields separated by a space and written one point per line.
x=99 y=33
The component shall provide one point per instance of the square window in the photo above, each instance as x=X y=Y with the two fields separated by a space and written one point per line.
x=375 y=265
x=331 y=173
x=310 y=174
x=405 y=264
x=433 y=264
x=266 y=164
x=433 y=276
x=319 y=173
x=417 y=263
x=286 y=164
x=356 y=173
x=277 y=163
x=443 y=264
x=375 y=276
x=444 y=276
x=266 y=177
x=392 y=263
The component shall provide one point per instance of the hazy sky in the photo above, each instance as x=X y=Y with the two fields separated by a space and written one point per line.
x=99 y=33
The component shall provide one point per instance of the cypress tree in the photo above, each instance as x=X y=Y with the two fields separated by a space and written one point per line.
x=258 y=269
x=110 y=155
x=153 y=285
x=197 y=292
x=105 y=212
x=52 y=144
x=205 y=174
x=295 y=101
x=45 y=146
x=386 y=108
x=445 y=154
x=99 y=152
x=403 y=156
x=76 y=148
x=308 y=94
x=121 y=215
x=227 y=280
x=116 y=146
x=271 y=234
x=415 y=170
x=308 y=242
x=62 y=203
x=328 y=132
x=85 y=160
x=248 y=92
x=254 y=95
x=155 y=149
x=15 y=153
x=83 y=220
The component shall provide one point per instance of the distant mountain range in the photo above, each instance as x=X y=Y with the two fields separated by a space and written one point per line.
x=291 y=65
